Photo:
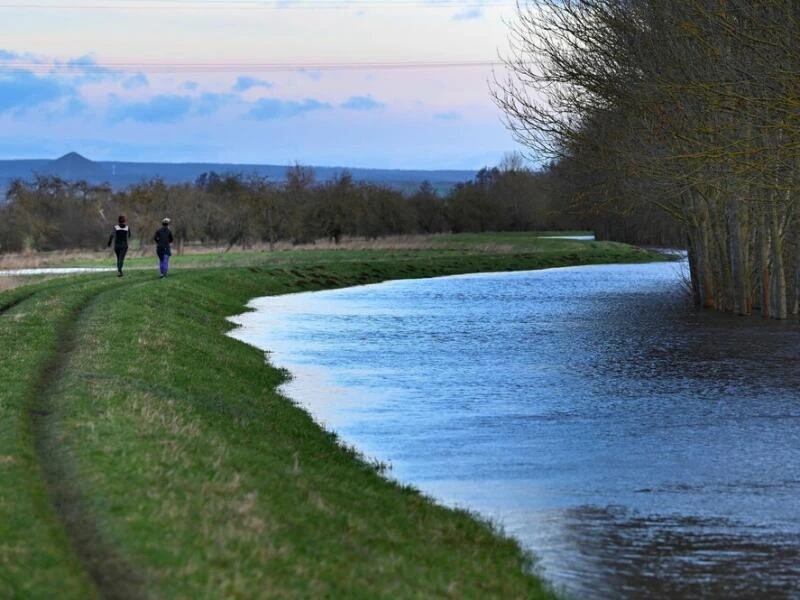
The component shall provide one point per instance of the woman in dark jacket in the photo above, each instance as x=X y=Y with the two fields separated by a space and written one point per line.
x=163 y=238
x=120 y=237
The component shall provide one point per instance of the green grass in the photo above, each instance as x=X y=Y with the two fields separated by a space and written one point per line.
x=35 y=555
x=408 y=248
x=144 y=452
x=513 y=238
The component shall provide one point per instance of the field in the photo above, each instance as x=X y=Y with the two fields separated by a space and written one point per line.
x=145 y=454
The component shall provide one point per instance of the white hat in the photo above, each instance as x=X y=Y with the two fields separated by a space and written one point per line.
x=165 y=221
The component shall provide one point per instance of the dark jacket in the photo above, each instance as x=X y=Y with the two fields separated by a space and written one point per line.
x=120 y=236
x=163 y=238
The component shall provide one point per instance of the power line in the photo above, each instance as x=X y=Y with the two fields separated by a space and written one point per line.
x=261 y=6
x=239 y=67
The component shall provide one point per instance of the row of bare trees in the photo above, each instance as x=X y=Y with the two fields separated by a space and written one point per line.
x=49 y=213
x=685 y=108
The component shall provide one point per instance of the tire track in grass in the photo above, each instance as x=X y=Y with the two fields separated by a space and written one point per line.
x=9 y=304
x=112 y=575
x=19 y=298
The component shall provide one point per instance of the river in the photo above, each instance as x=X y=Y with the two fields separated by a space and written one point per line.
x=639 y=448
x=53 y=271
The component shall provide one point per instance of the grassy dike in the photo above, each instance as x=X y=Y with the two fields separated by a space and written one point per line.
x=143 y=454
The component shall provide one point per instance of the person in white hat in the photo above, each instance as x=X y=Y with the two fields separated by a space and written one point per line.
x=163 y=238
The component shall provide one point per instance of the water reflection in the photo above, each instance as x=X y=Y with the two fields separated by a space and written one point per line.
x=639 y=448
x=675 y=556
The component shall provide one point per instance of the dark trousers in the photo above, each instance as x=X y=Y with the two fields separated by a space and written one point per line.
x=120 y=252
x=163 y=262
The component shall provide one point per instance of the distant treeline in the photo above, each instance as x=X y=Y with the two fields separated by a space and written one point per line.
x=50 y=213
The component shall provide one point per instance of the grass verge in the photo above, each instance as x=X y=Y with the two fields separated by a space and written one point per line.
x=326 y=251
x=126 y=411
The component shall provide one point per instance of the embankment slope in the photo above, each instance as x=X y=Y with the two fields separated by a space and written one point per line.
x=145 y=454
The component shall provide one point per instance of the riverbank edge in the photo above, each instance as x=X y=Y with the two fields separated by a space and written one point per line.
x=239 y=285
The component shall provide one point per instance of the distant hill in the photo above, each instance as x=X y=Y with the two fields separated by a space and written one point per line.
x=120 y=175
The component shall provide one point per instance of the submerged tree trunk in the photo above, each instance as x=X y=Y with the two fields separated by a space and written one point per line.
x=694 y=277
x=706 y=271
x=779 y=309
x=763 y=265
x=740 y=271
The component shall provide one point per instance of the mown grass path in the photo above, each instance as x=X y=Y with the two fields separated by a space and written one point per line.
x=36 y=556
x=145 y=454
x=112 y=576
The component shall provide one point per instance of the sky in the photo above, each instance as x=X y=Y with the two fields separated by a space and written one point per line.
x=353 y=83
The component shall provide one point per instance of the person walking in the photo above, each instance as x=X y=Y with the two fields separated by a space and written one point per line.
x=120 y=237
x=163 y=238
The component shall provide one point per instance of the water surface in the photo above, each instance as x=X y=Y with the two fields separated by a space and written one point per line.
x=640 y=449
x=53 y=271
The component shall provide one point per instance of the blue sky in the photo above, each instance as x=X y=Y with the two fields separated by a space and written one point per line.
x=361 y=83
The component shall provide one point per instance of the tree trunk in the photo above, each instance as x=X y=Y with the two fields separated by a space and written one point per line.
x=779 y=310
x=763 y=264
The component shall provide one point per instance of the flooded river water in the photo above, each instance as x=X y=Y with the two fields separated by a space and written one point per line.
x=52 y=271
x=638 y=448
